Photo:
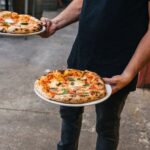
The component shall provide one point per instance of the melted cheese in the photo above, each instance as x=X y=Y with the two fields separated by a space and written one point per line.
x=9 y=21
x=53 y=83
x=78 y=83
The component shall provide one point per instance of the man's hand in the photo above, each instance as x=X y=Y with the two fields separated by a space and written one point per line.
x=66 y=17
x=50 y=27
x=118 y=82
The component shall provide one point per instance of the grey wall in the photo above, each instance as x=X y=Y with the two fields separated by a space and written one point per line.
x=50 y=4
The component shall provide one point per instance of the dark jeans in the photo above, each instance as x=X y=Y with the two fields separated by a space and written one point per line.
x=107 y=124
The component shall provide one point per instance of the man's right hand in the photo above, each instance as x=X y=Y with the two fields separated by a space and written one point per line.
x=66 y=17
x=50 y=27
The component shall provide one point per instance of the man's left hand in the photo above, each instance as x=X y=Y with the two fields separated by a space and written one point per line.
x=119 y=81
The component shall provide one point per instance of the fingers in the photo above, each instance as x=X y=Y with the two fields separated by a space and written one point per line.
x=43 y=35
x=117 y=82
x=43 y=21
x=110 y=81
x=47 y=23
x=114 y=82
x=115 y=89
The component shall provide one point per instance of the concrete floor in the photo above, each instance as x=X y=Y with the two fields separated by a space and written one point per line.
x=28 y=123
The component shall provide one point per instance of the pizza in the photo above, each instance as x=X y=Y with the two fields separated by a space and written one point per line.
x=71 y=86
x=12 y=22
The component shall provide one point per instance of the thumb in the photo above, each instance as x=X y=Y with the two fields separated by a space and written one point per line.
x=43 y=20
x=110 y=81
x=46 y=22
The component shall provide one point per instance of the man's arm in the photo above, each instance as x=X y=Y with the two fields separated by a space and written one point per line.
x=69 y=15
x=140 y=58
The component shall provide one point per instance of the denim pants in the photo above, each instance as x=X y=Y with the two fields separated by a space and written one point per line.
x=107 y=124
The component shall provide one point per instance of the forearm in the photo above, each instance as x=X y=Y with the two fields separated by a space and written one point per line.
x=69 y=15
x=140 y=57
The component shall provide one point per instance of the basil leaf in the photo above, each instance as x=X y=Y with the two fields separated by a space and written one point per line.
x=24 y=23
x=85 y=94
x=5 y=23
x=59 y=84
x=53 y=89
x=86 y=85
x=71 y=79
x=64 y=91
x=72 y=83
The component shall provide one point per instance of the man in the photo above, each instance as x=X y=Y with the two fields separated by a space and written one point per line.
x=114 y=41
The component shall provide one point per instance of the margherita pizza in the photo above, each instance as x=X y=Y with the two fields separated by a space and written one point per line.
x=11 y=22
x=71 y=86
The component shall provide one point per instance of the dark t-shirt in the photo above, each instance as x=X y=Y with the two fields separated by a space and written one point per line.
x=109 y=32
